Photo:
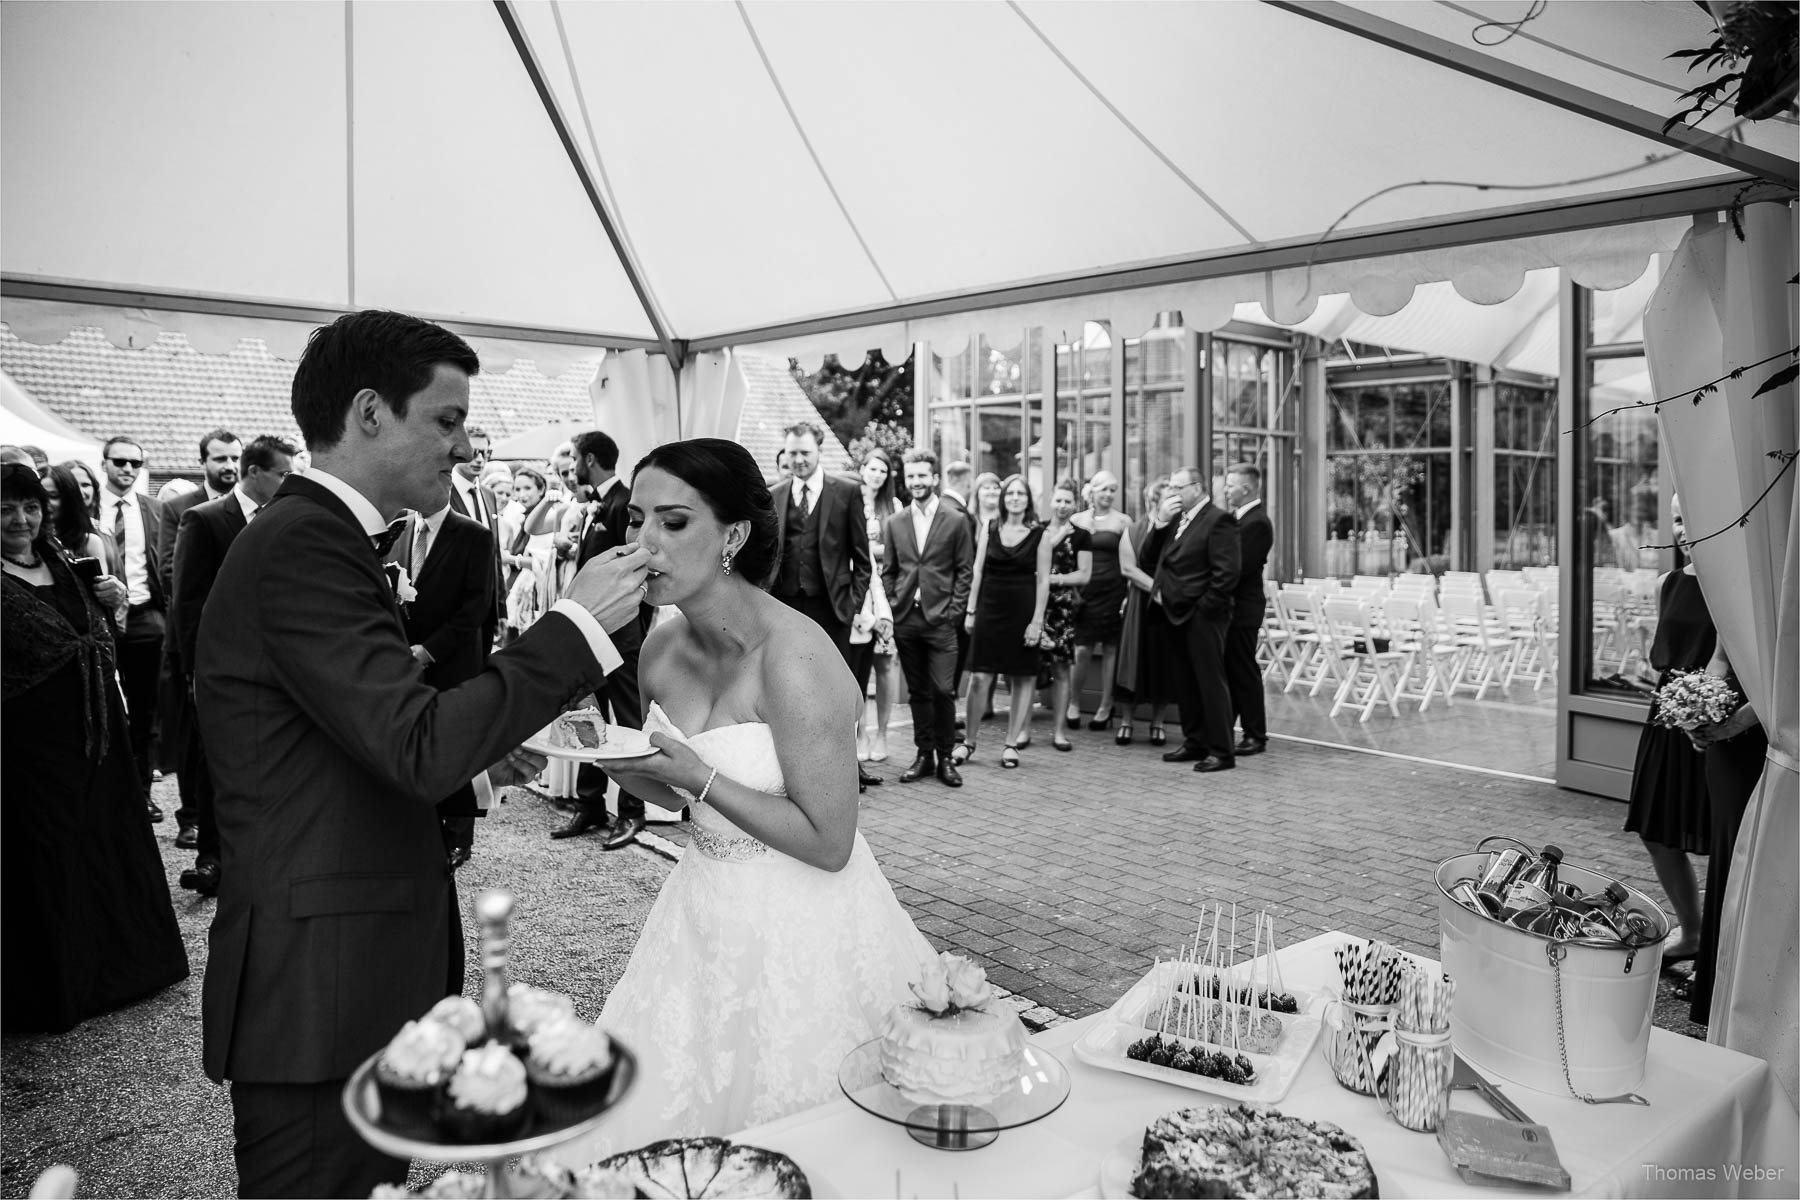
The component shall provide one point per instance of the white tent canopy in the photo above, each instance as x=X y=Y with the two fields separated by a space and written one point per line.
x=692 y=176
x=25 y=422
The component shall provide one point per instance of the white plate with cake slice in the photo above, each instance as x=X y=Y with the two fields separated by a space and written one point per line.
x=584 y=735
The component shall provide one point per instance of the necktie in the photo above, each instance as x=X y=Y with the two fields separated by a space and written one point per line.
x=1186 y=519
x=119 y=525
x=805 y=500
x=384 y=541
x=421 y=546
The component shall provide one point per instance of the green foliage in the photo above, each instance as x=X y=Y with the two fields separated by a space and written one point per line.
x=851 y=401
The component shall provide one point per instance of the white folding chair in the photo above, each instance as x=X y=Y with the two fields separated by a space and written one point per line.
x=1521 y=616
x=1371 y=666
x=1487 y=650
x=1299 y=614
x=1430 y=661
x=1276 y=650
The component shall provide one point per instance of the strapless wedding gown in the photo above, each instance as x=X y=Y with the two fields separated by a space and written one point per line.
x=755 y=973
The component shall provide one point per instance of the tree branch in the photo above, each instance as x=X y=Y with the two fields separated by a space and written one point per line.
x=1787 y=458
x=1696 y=392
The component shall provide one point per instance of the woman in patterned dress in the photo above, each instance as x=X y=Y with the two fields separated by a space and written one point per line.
x=876 y=621
x=1071 y=567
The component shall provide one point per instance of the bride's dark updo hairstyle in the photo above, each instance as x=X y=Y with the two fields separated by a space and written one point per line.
x=732 y=485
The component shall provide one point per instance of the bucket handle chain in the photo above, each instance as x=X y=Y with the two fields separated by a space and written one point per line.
x=1556 y=951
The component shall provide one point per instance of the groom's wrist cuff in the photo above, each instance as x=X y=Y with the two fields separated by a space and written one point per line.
x=610 y=659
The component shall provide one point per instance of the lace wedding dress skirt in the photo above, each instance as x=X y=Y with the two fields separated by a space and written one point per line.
x=755 y=973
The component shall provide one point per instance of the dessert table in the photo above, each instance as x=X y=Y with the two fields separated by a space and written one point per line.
x=1716 y=1120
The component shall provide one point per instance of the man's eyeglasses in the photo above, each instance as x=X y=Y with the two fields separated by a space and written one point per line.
x=126 y=463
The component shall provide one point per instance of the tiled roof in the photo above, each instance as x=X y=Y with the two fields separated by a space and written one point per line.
x=168 y=394
x=775 y=401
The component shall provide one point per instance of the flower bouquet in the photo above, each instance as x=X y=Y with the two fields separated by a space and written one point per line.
x=1691 y=699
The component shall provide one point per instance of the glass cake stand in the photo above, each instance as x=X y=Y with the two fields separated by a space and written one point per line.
x=1040 y=1089
x=362 y=1104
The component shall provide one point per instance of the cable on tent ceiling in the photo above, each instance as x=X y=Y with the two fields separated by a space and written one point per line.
x=824 y=175
x=1512 y=27
x=1129 y=126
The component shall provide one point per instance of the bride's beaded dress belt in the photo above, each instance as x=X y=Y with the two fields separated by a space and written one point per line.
x=727 y=849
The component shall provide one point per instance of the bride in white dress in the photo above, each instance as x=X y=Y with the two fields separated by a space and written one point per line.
x=776 y=944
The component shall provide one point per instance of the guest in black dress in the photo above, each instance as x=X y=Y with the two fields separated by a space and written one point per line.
x=89 y=923
x=1735 y=749
x=1146 y=664
x=1071 y=567
x=1669 y=808
x=1006 y=616
x=1102 y=618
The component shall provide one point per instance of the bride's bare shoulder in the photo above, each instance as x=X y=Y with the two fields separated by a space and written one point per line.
x=800 y=663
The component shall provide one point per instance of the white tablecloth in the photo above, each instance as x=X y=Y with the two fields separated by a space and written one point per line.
x=1712 y=1111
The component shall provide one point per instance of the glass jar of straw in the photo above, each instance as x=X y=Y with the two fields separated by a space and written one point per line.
x=1418 y=1078
x=1370 y=983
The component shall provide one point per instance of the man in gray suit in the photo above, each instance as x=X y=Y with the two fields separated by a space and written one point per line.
x=928 y=571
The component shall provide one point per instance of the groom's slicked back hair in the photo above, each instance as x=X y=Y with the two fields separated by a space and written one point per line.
x=602 y=447
x=727 y=477
x=392 y=353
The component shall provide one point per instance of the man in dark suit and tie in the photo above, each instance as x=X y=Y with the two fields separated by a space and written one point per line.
x=135 y=521
x=1256 y=537
x=822 y=564
x=470 y=498
x=220 y=452
x=1195 y=573
x=602 y=530
x=330 y=752
x=206 y=533
x=928 y=570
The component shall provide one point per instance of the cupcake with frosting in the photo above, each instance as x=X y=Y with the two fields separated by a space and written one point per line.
x=413 y=1068
x=463 y=1015
x=484 y=1101
x=529 y=1009
x=570 y=1065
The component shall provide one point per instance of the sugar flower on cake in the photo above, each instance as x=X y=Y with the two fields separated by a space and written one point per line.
x=950 y=984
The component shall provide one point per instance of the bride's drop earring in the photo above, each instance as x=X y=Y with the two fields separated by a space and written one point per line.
x=725 y=561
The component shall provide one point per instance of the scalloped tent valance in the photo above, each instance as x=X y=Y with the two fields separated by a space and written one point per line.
x=640 y=175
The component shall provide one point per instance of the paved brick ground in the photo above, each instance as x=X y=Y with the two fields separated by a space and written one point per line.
x=1067 y=877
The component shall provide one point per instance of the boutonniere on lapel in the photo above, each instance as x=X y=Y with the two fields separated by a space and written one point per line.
x=401 y=582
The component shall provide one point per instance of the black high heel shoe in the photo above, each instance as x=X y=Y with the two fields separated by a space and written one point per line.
x=1073 y=722
x=1157 y=737
x=1123 y=736
x=1101 y=720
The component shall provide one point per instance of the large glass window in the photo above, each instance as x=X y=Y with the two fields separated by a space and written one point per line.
x=976 y=413
x=1389 y=507
x=1084 y=405
x=1524 y=507
x=1156 y=420
x=1620 y=526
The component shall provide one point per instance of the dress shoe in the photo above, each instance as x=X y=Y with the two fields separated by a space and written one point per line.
x=922 y=766
x=578 y=824
x=188 y=836
x=1157 y=736
x=202 y=877
x=1186 y=752
x=864 y=779
x=155 y=813
x=624 y=833
x=1213 y=762
x=948 y=775
x=1250 y=745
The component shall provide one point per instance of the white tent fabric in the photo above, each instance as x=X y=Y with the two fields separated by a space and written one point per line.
x=25 y=422
x=1727 y=304
x=771 y=169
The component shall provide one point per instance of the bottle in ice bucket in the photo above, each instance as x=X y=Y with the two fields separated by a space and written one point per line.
x=1534 y=886
x=1609 y=917
x=1503 y=866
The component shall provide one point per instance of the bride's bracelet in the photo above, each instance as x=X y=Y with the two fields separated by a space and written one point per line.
x=701 y=798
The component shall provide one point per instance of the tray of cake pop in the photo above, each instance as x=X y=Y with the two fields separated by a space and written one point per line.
x=1216 y=1016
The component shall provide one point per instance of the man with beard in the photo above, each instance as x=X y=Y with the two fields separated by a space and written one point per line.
x=220 y=452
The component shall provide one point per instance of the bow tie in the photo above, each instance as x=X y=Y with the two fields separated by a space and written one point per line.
x=384 y=541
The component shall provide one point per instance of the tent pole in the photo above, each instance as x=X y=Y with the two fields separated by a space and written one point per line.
x=628 y=262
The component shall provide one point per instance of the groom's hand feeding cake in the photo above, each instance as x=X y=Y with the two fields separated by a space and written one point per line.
x=956 y=1045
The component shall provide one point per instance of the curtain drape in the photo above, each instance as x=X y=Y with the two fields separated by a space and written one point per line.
x=1726 y=303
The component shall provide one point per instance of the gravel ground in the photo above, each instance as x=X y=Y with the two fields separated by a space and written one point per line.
x=122 y=1099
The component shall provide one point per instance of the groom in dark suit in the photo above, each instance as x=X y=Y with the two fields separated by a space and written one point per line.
x=822 y=564
x=329 y=752
x=1195 y=574
x=928 y=570
x=206 y=532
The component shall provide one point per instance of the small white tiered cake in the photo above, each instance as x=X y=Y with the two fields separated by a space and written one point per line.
x=955 y=1046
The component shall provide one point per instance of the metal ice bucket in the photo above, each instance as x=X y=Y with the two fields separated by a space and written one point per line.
x=1504 y=1019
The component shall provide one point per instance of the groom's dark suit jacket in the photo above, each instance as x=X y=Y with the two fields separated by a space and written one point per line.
x=841 y=535
x=939 y=576
x=329 y=753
